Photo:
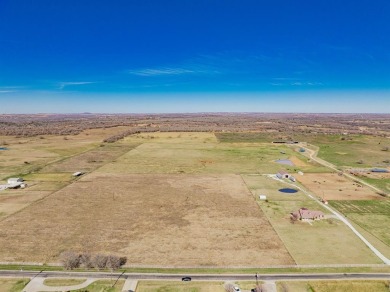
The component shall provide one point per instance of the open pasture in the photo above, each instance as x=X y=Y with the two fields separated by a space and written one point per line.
x=90 y=160
x=363 y=207
x=341 y=150
x=212 y=220
x=352 y=150
x=30 y=154
x=372 y=216
x=326 y=241
x=331 y=186
x=198 y=153
x=334 y=286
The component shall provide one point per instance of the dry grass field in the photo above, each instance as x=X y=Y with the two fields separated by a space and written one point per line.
x=326 y=241
x=29 y=154
x=12 y=201
x=173 y=220
x=334 y=187
x=334 y=286
x=168 y=199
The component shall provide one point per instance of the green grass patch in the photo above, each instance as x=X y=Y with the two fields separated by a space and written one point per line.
x=245 y=137
x=352 y=151
x=159 y=286
x=363 y=206
x=13 y=285
x=103 y=286
x=63 y=282
x=381 y=183
x=373 y=216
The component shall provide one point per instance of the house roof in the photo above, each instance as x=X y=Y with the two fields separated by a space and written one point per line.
x=304 y=213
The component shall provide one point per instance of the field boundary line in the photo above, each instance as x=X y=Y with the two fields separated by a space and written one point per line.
x=269 y=221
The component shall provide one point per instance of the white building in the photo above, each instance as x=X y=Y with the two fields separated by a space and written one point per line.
x=14 y=180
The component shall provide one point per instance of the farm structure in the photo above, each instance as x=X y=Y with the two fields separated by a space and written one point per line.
x=14 y=180
x=13 y=183
x=305 y=214
x=283 y=174
x=380 y=170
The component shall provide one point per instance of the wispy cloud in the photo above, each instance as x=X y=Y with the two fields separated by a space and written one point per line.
x=7 y=91
x=161 y=71
x=172 y=71
x=296 y=83
x=62 y=85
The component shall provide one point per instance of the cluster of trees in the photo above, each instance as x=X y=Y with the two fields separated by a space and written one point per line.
x=72 y=260
x=35 y=125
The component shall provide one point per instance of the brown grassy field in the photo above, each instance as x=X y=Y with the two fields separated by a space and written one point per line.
x=173 y=220
x=27 y=154
x=334 y=286
x=12 y=201
x=335 y=187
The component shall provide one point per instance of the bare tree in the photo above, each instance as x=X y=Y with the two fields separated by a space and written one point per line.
x=99 y=261
x=70 y=260
x=113 y=262
x=86 y=260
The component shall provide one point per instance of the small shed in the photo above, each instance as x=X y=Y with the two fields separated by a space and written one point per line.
x=14 y=180
x=263 y=197
x=292 y=178
x=302 y=150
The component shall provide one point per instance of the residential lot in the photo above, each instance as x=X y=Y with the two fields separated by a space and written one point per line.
x=326 y=241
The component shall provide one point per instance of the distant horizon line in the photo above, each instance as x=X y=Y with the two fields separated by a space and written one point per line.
x=195 y=113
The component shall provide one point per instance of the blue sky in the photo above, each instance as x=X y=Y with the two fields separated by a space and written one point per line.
x=194 y=56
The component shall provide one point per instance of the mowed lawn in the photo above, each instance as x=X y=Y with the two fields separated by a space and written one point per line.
x=161 y=220
x=326 y=241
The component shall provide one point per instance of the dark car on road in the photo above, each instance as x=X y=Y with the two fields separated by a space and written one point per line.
x=186 y=279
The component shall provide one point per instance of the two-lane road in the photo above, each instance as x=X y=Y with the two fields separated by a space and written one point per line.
x=195 y=277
